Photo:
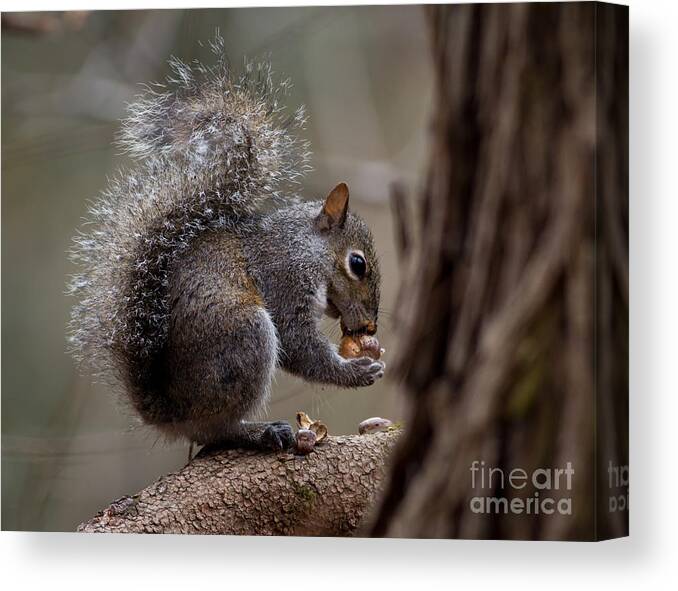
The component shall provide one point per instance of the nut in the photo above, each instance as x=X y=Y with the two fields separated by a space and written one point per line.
x=306 y=422
x=320 y=430
x=364 y=345
x=303 y=420
x=305 y=441
x=374 y=425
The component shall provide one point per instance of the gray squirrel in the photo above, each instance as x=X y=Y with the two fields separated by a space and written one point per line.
x=200 y=272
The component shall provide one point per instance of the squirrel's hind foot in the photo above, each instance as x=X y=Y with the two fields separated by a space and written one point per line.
x=277 y=436
x=260 y=436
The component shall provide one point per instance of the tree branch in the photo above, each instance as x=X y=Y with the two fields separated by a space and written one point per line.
x=240 y=492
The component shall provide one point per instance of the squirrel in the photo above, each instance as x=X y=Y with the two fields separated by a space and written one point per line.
x=201 y=272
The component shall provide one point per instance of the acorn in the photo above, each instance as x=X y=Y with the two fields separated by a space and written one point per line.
x=352 y=346
x=374 y=425
x=306 y=422
x=305 y=441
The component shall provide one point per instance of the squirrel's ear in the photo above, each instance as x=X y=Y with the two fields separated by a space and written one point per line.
x=334 y=209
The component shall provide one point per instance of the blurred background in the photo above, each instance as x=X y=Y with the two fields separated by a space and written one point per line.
x=364 y=74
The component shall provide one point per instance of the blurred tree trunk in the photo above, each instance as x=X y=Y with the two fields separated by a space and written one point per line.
x=514 y=310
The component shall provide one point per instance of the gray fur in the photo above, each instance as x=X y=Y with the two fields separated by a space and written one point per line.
x=188 y=295
x=288 y=255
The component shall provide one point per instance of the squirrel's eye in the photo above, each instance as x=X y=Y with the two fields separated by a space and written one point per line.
x=357 y=265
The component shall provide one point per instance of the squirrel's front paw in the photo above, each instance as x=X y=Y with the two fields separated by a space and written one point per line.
x=277 y=436
x=364 y=371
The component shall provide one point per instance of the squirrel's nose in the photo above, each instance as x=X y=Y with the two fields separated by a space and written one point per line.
x=370 y=327
x=367 y=327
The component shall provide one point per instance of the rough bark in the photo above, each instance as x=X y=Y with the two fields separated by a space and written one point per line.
x=326 y=493
x=514 y=308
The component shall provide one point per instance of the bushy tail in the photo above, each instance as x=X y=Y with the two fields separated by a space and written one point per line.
x=211 y=146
